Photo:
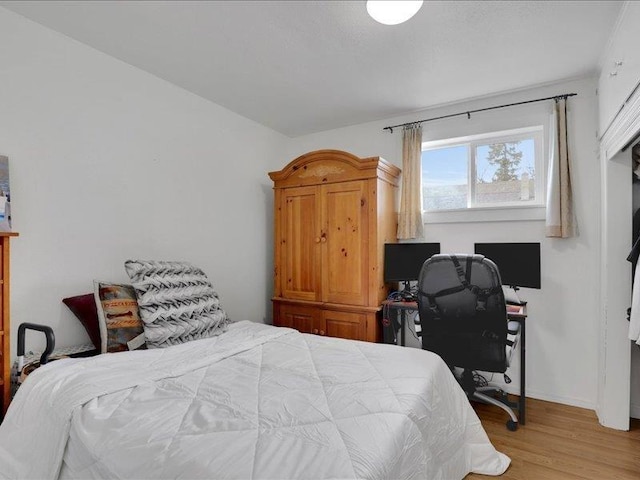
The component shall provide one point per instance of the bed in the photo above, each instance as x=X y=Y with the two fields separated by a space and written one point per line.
x=256 y=402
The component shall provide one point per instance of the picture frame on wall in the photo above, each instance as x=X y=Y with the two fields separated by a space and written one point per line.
x=5 y=195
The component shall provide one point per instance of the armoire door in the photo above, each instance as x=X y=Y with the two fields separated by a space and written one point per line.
x=300 y=244
x=344 y=242
x=344 y=325
x=303 y=319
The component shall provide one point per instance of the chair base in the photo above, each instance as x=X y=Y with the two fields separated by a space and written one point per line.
x=512 y=424
x=480 y=394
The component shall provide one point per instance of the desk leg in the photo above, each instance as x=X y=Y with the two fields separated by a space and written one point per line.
x=523 y=349
x=403 y=321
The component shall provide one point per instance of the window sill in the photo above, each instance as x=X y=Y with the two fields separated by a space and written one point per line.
x=495 y=214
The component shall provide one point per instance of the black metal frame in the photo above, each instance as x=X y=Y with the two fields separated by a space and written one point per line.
x=48 y=333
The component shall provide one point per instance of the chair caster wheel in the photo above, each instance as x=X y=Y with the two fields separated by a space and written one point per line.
x=512 y=426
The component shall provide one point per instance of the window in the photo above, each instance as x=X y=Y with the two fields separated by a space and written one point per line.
x=495 y=170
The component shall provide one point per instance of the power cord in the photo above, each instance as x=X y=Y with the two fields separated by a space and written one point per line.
x=401 y=296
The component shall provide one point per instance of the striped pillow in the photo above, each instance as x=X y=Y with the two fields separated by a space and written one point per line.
x=177 y=302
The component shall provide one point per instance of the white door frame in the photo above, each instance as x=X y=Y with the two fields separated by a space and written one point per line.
x=614 y=366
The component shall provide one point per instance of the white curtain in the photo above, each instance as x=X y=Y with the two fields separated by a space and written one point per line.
x=560 y=220
x=410 y=223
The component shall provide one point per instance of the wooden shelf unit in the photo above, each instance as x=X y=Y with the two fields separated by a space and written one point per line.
x=5 y=324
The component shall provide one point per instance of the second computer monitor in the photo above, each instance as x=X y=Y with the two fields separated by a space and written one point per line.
x=518 y=263
x=403 y=261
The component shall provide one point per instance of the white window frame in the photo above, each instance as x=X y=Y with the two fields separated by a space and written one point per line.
x=530 y=210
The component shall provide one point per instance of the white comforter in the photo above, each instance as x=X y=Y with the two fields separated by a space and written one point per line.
x=255 y=402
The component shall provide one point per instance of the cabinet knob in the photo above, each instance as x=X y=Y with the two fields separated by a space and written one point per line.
x=321 y=332
x=323 y=239
x=314 y=331
x=613 y=74
x=317 y=239
x=618 y=63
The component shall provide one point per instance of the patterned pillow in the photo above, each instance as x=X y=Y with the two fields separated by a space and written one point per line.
x=177 y=302
x=118 y=317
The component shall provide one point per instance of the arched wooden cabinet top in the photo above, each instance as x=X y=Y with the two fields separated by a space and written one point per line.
x=331 y=166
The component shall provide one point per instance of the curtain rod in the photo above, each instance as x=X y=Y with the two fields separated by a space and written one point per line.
x=469 y=112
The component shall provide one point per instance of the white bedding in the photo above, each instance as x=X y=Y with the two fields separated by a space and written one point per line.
x=255 y=402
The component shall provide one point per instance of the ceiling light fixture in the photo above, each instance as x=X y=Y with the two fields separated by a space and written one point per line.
x=393 y=12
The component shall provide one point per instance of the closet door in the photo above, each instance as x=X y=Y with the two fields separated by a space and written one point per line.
x=300 y=244
x=345 y=242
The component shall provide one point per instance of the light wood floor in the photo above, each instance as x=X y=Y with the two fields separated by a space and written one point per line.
x=562 y=443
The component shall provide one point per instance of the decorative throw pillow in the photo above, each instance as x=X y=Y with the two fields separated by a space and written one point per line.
x=177 y=302
x=118 y=317
x=84 y=308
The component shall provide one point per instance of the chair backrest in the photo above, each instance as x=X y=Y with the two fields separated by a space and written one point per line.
x=463 y=312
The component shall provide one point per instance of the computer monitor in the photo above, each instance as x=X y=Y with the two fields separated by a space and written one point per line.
x=519 y=263
x=403 y=261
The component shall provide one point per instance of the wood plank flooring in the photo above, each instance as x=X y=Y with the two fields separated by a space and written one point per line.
x=562 y=443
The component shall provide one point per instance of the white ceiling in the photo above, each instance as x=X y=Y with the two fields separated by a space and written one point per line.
x=306 y=66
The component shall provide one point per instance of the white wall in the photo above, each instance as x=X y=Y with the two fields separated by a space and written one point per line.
x=562 y=330
x=109 y=163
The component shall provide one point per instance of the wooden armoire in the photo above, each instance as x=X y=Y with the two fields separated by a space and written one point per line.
x=333 y=214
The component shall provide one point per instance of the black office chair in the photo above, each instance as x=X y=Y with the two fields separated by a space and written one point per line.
x=463 y=316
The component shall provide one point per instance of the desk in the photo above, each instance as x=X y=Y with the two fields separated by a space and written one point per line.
x=517 y=313
x=520 y=316
x=403 y=308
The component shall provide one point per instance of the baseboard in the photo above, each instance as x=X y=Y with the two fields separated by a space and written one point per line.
x=513 y=388
x=635 y=411
x=574 y=402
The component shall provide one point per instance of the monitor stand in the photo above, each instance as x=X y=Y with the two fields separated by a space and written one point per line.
x=406 y=292
x=511 y=294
